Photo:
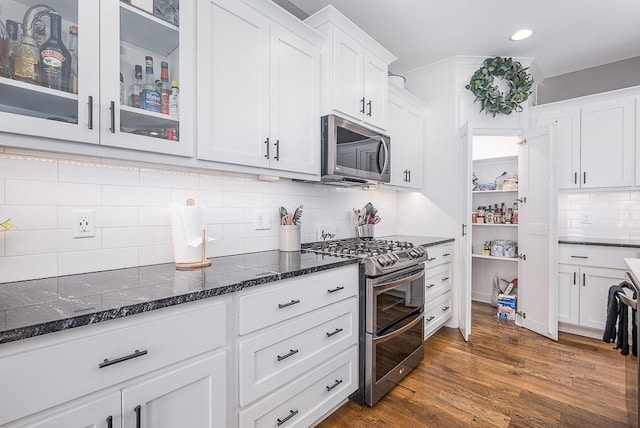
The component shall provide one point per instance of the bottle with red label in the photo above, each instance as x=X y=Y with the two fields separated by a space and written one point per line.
x=165 y=91
x=55 y=58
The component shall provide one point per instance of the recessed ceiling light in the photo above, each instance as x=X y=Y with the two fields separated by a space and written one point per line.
x=521 y=34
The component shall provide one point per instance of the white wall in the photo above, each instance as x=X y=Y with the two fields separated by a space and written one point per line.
x=131 y=202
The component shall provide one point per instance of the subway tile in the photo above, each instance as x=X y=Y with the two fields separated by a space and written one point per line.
x=208 y=198
x=2 y=197
x=154 y=216
x=216 y=232
x=97 y=173
x=225 y=215
x=234 y=231
x=96 y=260
x=600 y=197
x=226 y=247
x=48 y=193
x=2 y=252
x=155 y=254
x=124 y=196
x=20 y=268
x=22 y=243
x=30 y=217
x=221 y=183
x=168 y=178
x=155 y=235
x=116 y=216
x=245 y=200
x=264 y=243
x=19 y=167
x=120 y=237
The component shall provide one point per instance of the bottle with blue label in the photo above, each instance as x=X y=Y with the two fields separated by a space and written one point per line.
x=150 y=97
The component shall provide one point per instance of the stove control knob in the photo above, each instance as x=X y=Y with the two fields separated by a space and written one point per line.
x=381 y=260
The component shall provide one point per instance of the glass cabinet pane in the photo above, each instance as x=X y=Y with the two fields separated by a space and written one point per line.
x=149 y=68
x=39 y=59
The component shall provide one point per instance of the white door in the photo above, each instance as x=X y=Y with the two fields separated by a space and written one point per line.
x=295 y=103
x=594 y=292
x=375 y=90
x=537 y=236
x=465 y=141
x=569 y=282
x=348 y=62
x=233 y=83
x=607 y=143
x=188 y=396
x=95 y=412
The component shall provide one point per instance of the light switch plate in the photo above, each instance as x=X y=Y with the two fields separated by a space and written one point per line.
x=326 y=232
x=262 y=220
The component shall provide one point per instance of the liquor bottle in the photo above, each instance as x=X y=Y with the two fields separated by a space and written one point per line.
x=514 y=217
x=174 y=107
x=165 y=91
x=135 y=88
x=150 y=99
x=12 y=29
x=55 y=57
x=26 y=61
x=73 y=50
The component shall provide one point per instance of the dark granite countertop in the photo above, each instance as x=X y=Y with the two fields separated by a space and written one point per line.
x=424 y=241
x=37 y=307
x=603 y=242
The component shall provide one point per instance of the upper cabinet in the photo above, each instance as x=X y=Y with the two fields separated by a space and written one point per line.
x=73 y=81
x=596 y=143
x=407 y=132
x=259 y=108
x=354 y=70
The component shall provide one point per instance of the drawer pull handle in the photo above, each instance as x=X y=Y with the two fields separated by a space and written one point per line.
x=292 y=413
x=446 y=278
x=136 y=354
x=335 y=289
x=291 y=303
x=431 y=318
x=446 y=254
x=338 y=382
x=431 y=259
x=336 y=331
x=138 y=411
x=291 y=352
x=579 y=257
x=446 y=308
x=110 y=422
x=431 y=285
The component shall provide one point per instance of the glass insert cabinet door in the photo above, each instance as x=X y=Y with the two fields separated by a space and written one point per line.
x=49 y=58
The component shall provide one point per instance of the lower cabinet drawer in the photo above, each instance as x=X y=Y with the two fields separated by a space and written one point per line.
x=437 y=313
x=596 y=256
x=45 y=371
x=437 y=280
x=439 y=254
x=271 y=358
x=304 y=401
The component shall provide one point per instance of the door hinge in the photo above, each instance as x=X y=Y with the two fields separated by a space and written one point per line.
x=522 y=314
x=522 y=257
x=522 y=200
x=523 y=141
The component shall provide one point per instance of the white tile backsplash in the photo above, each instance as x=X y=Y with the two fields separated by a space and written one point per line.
x=132 y=203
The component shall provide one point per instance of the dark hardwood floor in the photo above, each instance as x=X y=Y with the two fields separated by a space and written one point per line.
x=505 y=376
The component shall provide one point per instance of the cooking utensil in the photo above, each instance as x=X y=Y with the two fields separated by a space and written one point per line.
x=283 y=213
x=297 y=215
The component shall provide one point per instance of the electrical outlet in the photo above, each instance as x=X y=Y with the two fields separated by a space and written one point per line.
x=83 y=224
x=586 y=218
x=262 y=220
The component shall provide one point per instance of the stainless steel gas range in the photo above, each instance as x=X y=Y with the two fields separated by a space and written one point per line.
x=391 y=310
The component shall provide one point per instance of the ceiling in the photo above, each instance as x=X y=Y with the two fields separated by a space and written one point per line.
x=569 y=35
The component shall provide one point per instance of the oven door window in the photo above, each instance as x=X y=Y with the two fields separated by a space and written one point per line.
x=397 y=343
x=395 y=303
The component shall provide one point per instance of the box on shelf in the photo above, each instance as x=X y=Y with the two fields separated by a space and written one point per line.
x=506 y=307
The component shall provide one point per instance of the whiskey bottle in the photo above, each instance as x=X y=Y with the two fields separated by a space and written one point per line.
x=150 y=99
x=165 y=87
x=135 y=88
x=55 y=58
x=26 y=61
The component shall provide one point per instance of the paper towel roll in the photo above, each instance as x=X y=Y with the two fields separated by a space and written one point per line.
x=187 y=225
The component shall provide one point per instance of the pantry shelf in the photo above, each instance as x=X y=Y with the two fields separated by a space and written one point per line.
x=506 y=259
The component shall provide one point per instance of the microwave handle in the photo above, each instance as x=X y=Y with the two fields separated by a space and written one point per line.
x=386 y=155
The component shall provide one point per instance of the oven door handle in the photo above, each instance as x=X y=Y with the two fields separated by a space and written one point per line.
x=378 y=289
x=386 y=337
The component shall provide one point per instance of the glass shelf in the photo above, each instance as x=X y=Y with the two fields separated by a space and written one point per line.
x=479 y=192
x=38 y=101
x=494 y=225
x=151 y=33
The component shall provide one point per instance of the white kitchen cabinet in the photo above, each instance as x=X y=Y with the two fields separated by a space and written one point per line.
x=596 y=142
x=438 y=282
x=261 y=108
x=354 y=70
x=407 y=132
x=585 y=273
x=113 y=37
x=297 y=347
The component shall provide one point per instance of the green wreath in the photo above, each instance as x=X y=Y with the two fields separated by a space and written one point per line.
x=492 y=100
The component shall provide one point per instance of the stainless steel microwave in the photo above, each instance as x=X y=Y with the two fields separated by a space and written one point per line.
x=353 y=154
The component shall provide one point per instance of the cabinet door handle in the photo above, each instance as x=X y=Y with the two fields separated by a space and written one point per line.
x=369 y=105
x=446 y=278
x=90 y=111
x=338 y=288
x=446 y=308
x=446 y=254
x=431 y=285
x=575 y=178
x=431 y=318
x=267 y=143
x=409 y=176
x=362 y=102
x=277 y=157
x=574 y=278
x=584 y=177
x=584 y=279
x=136 y=354
x=338 y=382
x=291 y=303
x=292 y=413
x=336 y=331
x=406 y=176
x=431 y=259
x=285 y=356
x=579 y=257
x=112 y=112
x=110 y=422
x=138 y=411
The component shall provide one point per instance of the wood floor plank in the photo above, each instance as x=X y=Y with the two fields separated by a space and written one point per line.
x=505 y=376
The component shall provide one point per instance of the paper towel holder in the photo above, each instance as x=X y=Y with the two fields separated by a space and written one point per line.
x=202 y=263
